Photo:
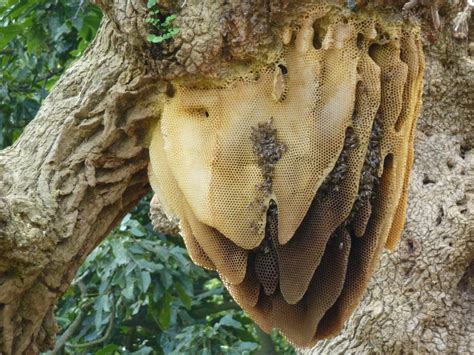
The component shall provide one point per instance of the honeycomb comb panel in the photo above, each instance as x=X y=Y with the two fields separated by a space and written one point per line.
x=161 y=178
x=229 y=259
x=322 y=293
x=164 y=180
x=290 y=179
x=197 y=254
x=364 y=254
x=336 y=197
x=247 y=293
x=361 y=219
x=330 y=113
x=411 y=54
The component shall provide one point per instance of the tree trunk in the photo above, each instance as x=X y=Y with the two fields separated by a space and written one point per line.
x=420 y=299
x=81 y=165
x=72 y=175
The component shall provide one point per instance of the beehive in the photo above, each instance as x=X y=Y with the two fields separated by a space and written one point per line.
x=289 y=180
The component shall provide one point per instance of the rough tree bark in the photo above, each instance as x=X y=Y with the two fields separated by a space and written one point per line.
x=421 y=298
x=73 y=174
x=81 y=165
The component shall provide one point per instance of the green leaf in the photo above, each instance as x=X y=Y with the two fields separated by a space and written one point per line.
x=137 y=232
x=143 y=351
x=110 y=349
x=101 y=304
x=180 y=257
x=227 y=320
x=151 y=3
x=119 y=279
x=123 y=224
x=166 y=279
x=152 y=20
x=8 y=33
x=136 y=249
x=169 y=19
x=245 y=346
x=158 y=292
x=155 y=39
x=146 y=280
x=165 y=312
x=187 y=301
x=103 y=286
x=174 y=31
x=161 y=312
x=127 y=292
x=147 y=265
x=119 y=252
x=20 y=8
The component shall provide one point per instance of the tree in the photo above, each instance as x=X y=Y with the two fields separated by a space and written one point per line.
x=80 y=165
x=138 y=291
x=35 y=52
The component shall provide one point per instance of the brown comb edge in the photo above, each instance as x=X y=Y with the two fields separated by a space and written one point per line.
x=399 y=218
x=197 y=254
x=249 y=286
x=272 y=311
x=361 y=219
x=320 y=235
x=258 y=308
x=219 y=252
x=333 y=323
x=359 y=273
x=330 y=207
x=322 y=293
x=262 y=258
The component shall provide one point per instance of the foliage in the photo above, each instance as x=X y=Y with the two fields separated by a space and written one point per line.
x=137 y=292
x=38 y=39
x=155 y=300
x=162 y=25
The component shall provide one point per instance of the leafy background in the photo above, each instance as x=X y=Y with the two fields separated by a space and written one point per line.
x=138 y=292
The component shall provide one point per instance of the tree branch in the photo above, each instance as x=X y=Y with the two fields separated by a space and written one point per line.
x=78 y=168
x=71 y=330
x=108 y=331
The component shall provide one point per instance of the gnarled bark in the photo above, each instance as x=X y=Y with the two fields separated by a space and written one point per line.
x=421 y=297
x=75 y=171
x=82 y=163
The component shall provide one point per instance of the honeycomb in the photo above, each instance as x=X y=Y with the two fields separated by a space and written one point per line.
x=290 y=179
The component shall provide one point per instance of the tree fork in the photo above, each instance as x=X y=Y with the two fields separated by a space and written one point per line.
x=81 y=164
